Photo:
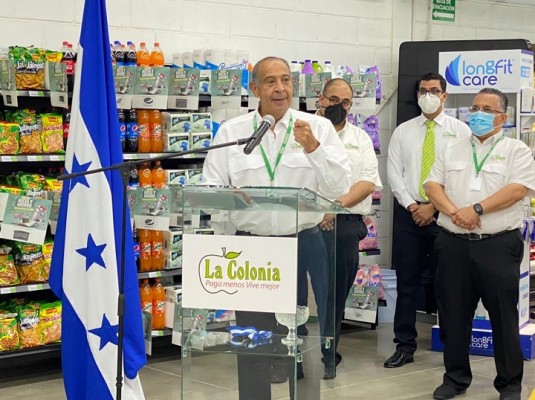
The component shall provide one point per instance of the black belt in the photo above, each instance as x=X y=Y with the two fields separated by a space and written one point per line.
x=475 y=236
x=301 y=234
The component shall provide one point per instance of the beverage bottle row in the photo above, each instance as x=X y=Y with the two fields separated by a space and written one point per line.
x=312 y=67
x=154 y=177
x=151 y=256
x=129 y=56
x=153 y=302
x=141 y=130
x=69 y=59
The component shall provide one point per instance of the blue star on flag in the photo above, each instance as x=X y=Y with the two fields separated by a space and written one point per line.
x=77 y=167
x=92 y=253
x=107 y=333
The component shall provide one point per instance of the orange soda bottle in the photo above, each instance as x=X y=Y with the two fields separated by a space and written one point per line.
x=158 y=175
x=145 y=253
x=156 y=56
x=143 y=136
x=145 y=175
x=143 y=55
x=155 y=128
x=157 y=250
x=158 y=305
x=145 y=293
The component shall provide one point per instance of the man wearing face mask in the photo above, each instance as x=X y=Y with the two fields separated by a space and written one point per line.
x=478 y=185
x=334 y=104
x=411 y=154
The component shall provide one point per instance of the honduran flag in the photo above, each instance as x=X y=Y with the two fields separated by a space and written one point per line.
x=86 y=260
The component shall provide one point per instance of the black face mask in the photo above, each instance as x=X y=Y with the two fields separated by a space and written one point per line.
x=336 y=114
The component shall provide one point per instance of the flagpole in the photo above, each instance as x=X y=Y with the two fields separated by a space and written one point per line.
x=125 y=176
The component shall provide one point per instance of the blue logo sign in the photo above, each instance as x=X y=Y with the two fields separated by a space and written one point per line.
x=461 y=73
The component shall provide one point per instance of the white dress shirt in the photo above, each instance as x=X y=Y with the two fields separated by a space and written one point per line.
x=325 y=170
x=363 y=162
x=511 y=161
x=405 y=153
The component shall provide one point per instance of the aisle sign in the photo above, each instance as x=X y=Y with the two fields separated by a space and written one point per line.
x=443 y=10
x=471 y=71
x=57 y=81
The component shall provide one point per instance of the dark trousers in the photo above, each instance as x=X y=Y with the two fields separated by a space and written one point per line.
x=254 y=371
x=489 y=270
x=350 y=230
x=412 y=255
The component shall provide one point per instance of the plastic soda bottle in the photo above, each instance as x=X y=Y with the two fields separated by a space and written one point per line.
x=130 y=57
x=158 y=175
x=317 y=67
x=122 y=128
x=132 y=130
x=145 y=175
x=143 y=55
x=145 y=293
x=156 y=56
x=118 y=53
x=158 y=305
x=143 y=136
x=157 y=250
x=145 y=259
x=155 y=127
x=308 y=68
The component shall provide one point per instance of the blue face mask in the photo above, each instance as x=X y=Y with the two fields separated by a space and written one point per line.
x=481 y=123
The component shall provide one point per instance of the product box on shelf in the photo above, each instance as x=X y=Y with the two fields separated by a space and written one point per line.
x=173 y=299
x=173 y=239
x=201 y=122
x=175 y=177
x=194 y=176
x=200 y=140
x=176 y=122
x=175 y=142
x=173 y=259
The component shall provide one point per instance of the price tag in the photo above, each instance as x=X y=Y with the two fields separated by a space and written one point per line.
x=32 y=158
x=33 y=288
x=36 y=93
x=54 y=158
x=7 y=290
x=155 y=274
x=8 y=158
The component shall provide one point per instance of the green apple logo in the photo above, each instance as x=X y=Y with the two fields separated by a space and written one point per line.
x=211 y=271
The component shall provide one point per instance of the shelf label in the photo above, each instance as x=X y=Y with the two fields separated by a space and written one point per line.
x=8 y=158
x=7 y=290
x=32 y=288
x=155 y=274
x=32 y=158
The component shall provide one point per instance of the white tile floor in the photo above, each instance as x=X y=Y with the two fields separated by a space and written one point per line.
x=361 y=374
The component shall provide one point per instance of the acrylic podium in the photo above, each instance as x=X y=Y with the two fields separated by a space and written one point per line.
x=244 y=304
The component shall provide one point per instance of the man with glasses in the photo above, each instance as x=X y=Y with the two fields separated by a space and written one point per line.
x=411 y=154
x=334 y=103
x=478 y=185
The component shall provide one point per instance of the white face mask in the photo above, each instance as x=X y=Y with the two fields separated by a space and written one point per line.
x=429 y=103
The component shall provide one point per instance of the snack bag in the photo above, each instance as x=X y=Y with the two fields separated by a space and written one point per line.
x=8 y=272
x=9 y=336
x=29 y=262
x=50 y=322
x=28 y=316
x=52 y=133
x=9 y=138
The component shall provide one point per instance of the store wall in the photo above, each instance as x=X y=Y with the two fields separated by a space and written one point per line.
x=348 y=32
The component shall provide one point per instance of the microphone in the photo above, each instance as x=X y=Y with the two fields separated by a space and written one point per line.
x=257 y=135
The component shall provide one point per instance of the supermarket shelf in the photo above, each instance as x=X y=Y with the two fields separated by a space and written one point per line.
x=49 y=348
x=32 y=93
x=32 y=157
x=143 y=156
x=162 y=332
x=24 y=288
x=527 y=114
x=159 y=274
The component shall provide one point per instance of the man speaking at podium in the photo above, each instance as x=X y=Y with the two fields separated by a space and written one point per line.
x=299 y=150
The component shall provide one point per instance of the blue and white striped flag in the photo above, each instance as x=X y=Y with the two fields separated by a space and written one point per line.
x=86 y=261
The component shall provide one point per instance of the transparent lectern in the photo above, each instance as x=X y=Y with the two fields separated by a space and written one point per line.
x=252 y=326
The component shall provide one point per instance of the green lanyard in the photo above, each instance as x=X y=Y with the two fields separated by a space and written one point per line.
x=480 y=166
x=271 y=172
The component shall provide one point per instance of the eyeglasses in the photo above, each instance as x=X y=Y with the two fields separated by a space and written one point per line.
x=346 y=104
x=487 y=110
x=433 y=91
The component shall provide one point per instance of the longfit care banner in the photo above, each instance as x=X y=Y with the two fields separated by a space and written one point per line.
x=243 y=273
x=471 y=71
